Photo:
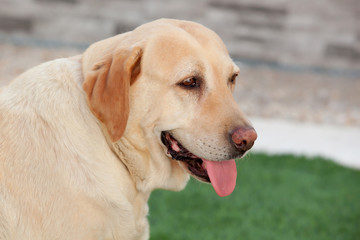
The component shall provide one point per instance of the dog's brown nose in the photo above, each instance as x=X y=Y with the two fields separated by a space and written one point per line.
x=243 y=138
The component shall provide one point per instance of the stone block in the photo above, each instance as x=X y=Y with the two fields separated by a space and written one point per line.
x=58 y=1
x=74 y=29
x=342 y=51
x=10 y=24
x=250 y=8
x=122 y=27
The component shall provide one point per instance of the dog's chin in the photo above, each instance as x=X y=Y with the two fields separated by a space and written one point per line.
x=193 y=164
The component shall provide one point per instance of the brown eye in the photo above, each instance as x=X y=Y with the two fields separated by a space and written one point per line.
x=233 y=78
x=190 y=82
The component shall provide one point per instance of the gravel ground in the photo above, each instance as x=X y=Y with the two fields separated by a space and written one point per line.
x=304 y=97
x=261 y=92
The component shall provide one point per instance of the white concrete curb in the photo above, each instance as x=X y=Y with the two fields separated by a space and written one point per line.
x=339 y=143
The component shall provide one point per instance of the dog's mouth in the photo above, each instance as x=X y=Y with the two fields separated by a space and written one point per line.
x=193 y=163
x=221 y=174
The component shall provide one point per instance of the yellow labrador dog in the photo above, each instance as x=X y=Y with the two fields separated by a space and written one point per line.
x=84 y=140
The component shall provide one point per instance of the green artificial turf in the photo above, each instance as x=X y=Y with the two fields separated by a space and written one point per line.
x=276 y=197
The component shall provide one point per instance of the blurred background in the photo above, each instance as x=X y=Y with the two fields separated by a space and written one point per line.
x=299 y=60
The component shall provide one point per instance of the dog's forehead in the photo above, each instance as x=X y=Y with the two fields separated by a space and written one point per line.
x=188 y=48
x=204 y=36
x=190 y=35
x=169 y=27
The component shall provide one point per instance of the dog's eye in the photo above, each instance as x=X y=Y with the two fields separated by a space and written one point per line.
x=233 y=78
x=190 y=82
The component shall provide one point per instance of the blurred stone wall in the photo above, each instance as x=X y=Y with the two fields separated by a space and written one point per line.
x=318 y=34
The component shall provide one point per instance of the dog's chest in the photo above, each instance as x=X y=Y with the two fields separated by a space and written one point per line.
x=128 y=221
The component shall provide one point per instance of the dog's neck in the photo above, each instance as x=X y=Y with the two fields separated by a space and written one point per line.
x=148 y=171
x=141 y=152
x=138 y=174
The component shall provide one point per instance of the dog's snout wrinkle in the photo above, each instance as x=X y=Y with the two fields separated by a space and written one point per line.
x=214 y=149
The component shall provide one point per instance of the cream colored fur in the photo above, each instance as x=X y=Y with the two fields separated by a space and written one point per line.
x=62 y=175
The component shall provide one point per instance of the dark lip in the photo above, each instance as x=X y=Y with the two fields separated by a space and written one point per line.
x=192 y=162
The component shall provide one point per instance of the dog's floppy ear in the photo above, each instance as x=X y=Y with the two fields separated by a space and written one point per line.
x=107 y=88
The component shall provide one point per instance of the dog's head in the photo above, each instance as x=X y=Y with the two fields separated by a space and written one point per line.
x=163 y=92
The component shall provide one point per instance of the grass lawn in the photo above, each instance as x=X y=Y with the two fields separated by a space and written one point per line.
x=276 y=197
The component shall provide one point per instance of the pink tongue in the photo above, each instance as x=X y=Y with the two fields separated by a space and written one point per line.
x=222 y=176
